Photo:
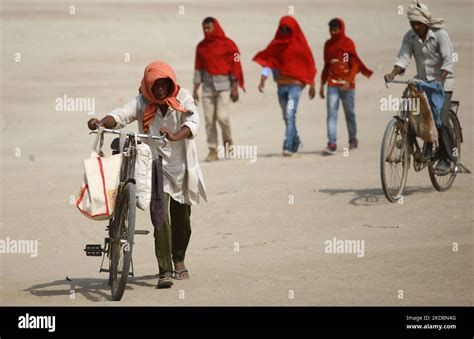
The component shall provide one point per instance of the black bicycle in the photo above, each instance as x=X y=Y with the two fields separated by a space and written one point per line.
x=398 y=145
x=118 y=244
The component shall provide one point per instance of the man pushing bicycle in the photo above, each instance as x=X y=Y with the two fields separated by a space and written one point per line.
x=162 y=107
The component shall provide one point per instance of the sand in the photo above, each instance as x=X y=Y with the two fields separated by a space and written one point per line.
x=260 y=240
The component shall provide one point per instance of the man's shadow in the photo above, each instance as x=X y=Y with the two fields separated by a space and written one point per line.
x=374 y=196
x=93 y=289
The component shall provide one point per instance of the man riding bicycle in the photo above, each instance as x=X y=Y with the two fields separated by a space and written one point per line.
x=433 y=51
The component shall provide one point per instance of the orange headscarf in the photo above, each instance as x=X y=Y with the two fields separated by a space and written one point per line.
x=154 y=71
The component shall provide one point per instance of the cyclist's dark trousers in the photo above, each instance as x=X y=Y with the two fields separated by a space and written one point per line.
x=172 y=240
x=446 y=133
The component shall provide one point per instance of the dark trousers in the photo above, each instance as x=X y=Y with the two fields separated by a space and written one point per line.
x=446 y=133
x=172 y=239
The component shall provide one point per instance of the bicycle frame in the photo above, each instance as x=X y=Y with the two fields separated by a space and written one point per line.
x=394 y=171
x=127 y=173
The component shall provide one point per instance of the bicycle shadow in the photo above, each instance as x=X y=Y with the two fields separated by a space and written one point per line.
x=373 y=196
x=280 y=155
x=93 y=289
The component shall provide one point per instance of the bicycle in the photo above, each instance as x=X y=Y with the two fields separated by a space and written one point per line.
x=118 y=244
x=398 y=144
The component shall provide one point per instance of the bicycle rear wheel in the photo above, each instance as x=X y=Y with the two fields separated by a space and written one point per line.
x=122 y=241
x=443 y=182
x=394 y=160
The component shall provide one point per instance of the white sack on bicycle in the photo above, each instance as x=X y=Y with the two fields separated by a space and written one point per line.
x=143 y=164
x=100 y=183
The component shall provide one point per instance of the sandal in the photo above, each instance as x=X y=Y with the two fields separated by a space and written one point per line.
x=165 y=280
x=181 y=275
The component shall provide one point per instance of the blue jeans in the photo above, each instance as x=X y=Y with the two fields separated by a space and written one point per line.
x=288 y=96
x=348 y=100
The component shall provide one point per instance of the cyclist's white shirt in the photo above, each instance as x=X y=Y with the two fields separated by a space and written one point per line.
x=432 y=56
x=183 y=178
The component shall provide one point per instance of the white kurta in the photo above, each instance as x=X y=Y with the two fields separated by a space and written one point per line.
x=183 y=178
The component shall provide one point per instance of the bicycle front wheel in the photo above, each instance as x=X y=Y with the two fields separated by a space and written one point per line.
x=122 y=241
x=443 y=182
x=394 y=160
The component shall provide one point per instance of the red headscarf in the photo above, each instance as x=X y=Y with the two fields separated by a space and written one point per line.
x=217 y=54
x=339 y=44
x=154 y=71
x=289 y=54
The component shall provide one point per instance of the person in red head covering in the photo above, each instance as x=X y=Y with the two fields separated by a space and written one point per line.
x=341 y=64
x=218 y=69
x=289 y=58
x=163 y=107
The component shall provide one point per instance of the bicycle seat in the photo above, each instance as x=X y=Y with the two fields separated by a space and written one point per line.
x=115 y=145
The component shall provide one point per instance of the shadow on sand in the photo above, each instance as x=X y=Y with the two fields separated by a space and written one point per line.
x=373 y=196
x=92 y=289
x=280 y=154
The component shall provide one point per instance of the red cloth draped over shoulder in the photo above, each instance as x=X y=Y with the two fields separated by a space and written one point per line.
x=219 y=55
x=339 y=44
x=289 y=54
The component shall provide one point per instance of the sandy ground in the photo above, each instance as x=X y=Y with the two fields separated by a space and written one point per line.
x=281 y=258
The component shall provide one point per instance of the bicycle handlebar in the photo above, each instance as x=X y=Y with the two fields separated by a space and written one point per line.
x=139 y=135
x=404 y=82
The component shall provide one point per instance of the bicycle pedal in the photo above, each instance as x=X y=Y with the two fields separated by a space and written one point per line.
x=142 y=232
x=93 y=250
